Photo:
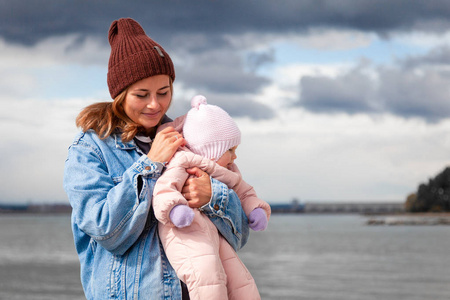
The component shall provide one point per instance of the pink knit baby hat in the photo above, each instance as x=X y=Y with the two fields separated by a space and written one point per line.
x=209 y=130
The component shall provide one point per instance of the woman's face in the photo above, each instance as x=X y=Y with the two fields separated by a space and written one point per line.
x=147 y=101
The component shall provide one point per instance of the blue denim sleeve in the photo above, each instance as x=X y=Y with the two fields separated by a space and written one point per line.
x=225 y=211
x=112 y=211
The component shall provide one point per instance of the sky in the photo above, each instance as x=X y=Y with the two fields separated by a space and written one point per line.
x=337 y=100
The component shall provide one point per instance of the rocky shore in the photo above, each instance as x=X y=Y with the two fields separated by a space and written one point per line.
x=410 y=219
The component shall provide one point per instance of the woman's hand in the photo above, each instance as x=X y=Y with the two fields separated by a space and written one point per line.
x=165 y=144
x=197 y=190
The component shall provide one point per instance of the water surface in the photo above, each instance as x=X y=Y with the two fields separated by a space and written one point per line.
x=298 y=257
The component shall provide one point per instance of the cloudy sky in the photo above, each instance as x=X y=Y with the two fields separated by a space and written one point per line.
x=336 y=100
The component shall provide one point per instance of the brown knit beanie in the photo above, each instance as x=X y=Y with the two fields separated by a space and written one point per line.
x=134 y=56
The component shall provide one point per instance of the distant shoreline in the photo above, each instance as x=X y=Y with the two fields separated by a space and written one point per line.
x=437 y=218
x=376 y=213
x=36 y=209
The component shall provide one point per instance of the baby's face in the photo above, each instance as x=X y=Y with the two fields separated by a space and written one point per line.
x=228 y=158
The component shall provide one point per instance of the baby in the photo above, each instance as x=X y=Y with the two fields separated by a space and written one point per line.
x=202 y=258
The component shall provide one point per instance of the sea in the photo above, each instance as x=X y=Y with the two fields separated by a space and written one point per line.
x=299 y=256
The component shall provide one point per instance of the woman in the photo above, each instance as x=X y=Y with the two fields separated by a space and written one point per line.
x=112 y=167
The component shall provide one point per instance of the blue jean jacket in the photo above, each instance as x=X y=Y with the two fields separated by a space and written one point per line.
x=110 y=185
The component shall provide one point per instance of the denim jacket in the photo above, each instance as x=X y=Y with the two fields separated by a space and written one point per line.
x=110 y=185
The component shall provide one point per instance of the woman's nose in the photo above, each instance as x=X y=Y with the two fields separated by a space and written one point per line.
x=153 y=102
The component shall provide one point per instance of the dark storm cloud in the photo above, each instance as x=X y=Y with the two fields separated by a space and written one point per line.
x=220 y=71
x=437 y=56
x=198 y=33
x=27 y=22
x=235 y=105
x=352 y=92
x=257 y=59
x=195 y=33
x=240 y=106
x=423 y=93
x=416 y=87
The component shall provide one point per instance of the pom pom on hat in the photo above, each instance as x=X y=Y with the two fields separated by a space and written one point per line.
x=197 y=101
x=209 y=130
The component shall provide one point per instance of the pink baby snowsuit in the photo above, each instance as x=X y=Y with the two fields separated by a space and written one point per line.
x=202 y=258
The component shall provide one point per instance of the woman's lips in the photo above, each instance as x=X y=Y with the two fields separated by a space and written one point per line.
x=151 y=115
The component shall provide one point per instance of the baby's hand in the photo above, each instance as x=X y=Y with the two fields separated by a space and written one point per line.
x=181 y=216
x=257 y=219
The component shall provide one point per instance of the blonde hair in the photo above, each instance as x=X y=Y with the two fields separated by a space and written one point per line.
x=106 y=118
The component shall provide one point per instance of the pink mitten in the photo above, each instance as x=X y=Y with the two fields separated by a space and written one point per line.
x=181 y=216
x=257 y=219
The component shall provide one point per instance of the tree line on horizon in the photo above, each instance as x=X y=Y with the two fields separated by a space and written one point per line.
x=433 y=196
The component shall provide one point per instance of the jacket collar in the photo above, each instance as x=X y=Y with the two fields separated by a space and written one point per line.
x=132 y=144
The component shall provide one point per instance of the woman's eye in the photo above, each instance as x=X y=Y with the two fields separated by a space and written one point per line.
x=140 y=96
x=163 y=94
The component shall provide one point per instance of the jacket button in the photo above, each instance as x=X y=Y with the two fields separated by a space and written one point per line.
x=147 y=168
x=216 y=207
